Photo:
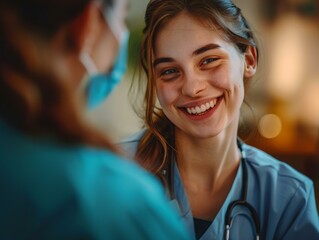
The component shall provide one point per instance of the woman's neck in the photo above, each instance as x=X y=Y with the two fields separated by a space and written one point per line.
x=206 y=163
x=207 y=168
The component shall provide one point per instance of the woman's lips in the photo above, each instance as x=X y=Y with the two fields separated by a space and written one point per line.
x=202 y=111
x=196 y=110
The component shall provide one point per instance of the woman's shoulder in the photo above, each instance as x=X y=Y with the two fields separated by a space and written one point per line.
x=267 y=166
x=121 y=193
x=119 y=169
x=117 y=192
x=83 y=164
x=286 y=196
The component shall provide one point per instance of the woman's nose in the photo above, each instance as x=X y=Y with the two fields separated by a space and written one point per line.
x=193 y=84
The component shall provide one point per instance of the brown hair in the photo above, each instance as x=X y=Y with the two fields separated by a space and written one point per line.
x=156 y=148
x=32 y=97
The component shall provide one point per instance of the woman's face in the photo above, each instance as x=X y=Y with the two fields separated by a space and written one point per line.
x=198 y=78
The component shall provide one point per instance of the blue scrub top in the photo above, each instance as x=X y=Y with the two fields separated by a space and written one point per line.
x=283 y=198
x=54 y=191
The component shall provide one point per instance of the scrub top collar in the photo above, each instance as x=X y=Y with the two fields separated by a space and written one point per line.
x=217 y=227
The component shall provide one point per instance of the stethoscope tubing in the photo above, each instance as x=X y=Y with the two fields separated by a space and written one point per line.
x=243 y=200
x=169 y=175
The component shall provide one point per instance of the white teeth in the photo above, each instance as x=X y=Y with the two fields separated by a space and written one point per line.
x=202 y=108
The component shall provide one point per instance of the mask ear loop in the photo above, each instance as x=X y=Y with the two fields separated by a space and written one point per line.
x=88 y=63
x=115 y=27
x=111 y=17
x=86 y=59
x=90 y=68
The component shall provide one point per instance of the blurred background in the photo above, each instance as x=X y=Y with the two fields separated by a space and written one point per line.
x=282 y=115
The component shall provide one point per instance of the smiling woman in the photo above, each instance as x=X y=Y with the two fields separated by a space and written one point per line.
x=202 y=70
x=199 y=57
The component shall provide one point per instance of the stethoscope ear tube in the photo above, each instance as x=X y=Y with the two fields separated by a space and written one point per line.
x=243 y=201
x=253 y=213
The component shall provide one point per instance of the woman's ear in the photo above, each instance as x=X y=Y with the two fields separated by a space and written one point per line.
x=250 y=61
x=92 y=38
x=84 y=30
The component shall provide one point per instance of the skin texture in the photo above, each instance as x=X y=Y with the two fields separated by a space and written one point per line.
x=194 y=66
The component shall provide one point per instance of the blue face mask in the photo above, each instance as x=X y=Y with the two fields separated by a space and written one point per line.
x=100 y=85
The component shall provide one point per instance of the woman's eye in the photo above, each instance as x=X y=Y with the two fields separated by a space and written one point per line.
x=209 y=60
x=168 y=71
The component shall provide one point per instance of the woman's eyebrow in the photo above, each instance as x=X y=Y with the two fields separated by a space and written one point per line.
x=205 y=48
x=162 y=60
x=198 y=51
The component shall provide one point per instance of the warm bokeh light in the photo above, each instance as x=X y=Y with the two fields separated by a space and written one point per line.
x=287 y=57
x=309 y=103
x=269 y=126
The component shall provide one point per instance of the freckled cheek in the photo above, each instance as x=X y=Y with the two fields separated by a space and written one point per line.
x=220 y=79
x=228 y=78
x=238 y=81
x=166 y=95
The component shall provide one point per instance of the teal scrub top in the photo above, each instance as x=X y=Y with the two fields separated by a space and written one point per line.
x=53 y=191
x=283 y=198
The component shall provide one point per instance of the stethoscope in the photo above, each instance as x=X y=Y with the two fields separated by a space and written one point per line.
x=243 y=200
x=169 y=181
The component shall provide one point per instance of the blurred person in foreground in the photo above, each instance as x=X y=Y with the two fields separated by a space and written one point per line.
x=59 y=177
